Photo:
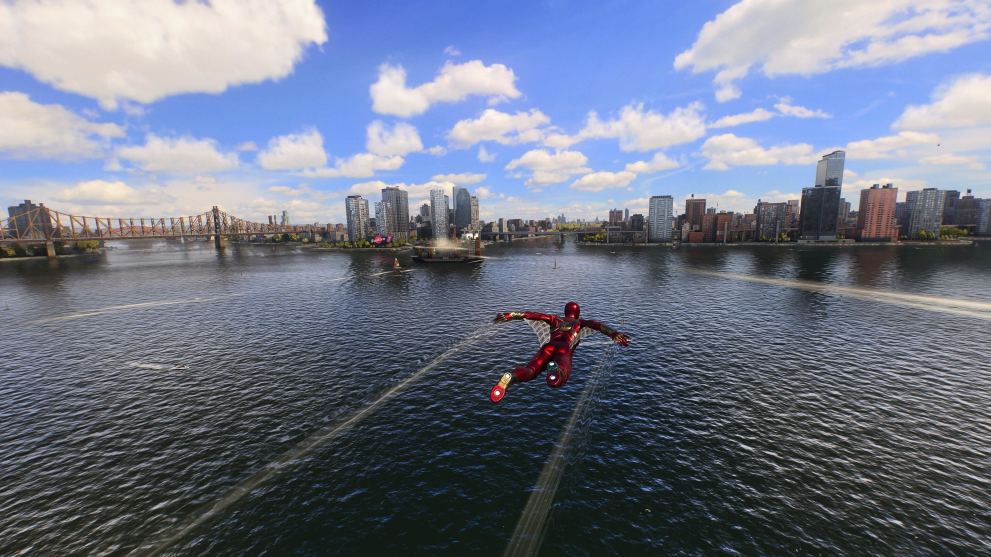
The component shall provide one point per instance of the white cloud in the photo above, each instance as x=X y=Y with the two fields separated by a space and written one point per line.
x=964 y=102
x=890 y=146
x=781 y=37
x=362 y=165
x=598 y=181
x=247 y=147
x=493 y=125
x=550 y=168
x=145 y=51
x=484 y=155
x=452 y=51
x=182 y=155
x=32 y=130
x=402 y=139
x=972 y=163
x=728 y=150
x=640 y=130
x=94 y=192
x=294 y=151
x=454 y=82
x=785 y=107
x=483 y=192
x=758 y=115
x=436 y=150
x=462 y=178
x=659 y=162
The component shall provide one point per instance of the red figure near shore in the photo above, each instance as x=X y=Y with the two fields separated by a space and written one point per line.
x=559 y=336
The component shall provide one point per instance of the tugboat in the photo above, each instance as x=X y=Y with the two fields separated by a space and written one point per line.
x=467 y=250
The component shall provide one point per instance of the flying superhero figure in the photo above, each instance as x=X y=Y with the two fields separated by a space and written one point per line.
x=559 y=336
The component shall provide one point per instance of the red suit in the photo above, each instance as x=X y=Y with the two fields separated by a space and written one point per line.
x=565 y=333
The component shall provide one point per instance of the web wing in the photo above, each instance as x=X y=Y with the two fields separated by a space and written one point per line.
x=542 y=328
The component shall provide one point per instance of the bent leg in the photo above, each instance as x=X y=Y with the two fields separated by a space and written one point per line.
x=536 y=365
x=558 y=374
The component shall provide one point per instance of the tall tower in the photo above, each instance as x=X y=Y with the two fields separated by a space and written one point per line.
x=398 y=199
x=829 y=171
x=357 y=213
x=462 y=208
x=694 y=210
x=821 y=204
x=475 y=222
x=925 y=211
x=659 y=218
x=438 y=213
x=876 y=216
x=384 y=215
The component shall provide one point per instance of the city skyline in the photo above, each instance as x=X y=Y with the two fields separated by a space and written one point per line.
x=350 y=104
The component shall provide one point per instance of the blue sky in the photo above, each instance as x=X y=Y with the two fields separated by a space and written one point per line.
x=161 y=108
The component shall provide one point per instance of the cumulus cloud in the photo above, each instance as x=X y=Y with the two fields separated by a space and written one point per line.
x=493 y=125
x=598 y=181
x=454 y=82
x=550 y=168
x=659 y=162
x=781 y=37
x=483 y=192
x=33 y=130
x=294 y=151
x=972 y=163
x=94 y=192
x=484 y=155
x=401 y=139
x=783 y=107
x=362 y=165
x=638 y=129
x=147 y=50
x=182 y=155
x=729 y=150
x=466 y=178
x=961 y=103
x=890 y=146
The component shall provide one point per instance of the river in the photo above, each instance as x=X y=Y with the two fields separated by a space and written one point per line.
x=774 y=400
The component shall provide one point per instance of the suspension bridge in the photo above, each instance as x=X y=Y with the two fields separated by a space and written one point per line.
x=37 y=224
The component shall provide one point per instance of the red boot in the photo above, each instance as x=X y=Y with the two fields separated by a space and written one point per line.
x=500 y=388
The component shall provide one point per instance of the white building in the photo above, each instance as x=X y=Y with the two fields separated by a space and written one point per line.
x=659 y=218
x=384 y=216
x=439 y=213
x=357 y=213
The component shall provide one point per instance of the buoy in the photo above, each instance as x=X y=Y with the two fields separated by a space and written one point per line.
x=395 y=263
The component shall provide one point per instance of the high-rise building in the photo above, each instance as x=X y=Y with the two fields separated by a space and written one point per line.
x=384 y=215
x=772 y=220
x=615 y=216
x=439 y=213
x=901 y=218
x=876 y=217
x=626 y=215
x=425 y=211
x=462 y=208
x=843 y=212
x=983 y=217
x=966 y=212
x=794 y=212
x=475 y=220
x=829 y=171
x=925 y=211
x=285 y=218
x=357 y=213
x=694 y=209
x=637 y=221
x=398 y=199
x=821 y=203
x=951 y=199
x=28 y=220
x=659 y=217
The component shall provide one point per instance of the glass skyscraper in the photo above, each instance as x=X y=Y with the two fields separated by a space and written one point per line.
x=462 y=209
x=357 y=215
x=399 y=222
x=829 y=171
x=659 y=218
x=821 y=204
x=438 y=213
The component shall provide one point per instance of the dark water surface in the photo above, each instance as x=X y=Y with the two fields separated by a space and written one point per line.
x=745 y=418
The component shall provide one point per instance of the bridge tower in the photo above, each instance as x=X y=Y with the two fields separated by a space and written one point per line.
x=218 y=240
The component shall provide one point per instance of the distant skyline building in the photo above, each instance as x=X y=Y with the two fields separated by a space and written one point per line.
x=771 y=219
x=462 y=208
x=439 y=213
x=983 y=227
x=285 y=218
x=637 y=221
x=626 y=215
x=925 y=211
x=384 y=218
x=615 y=216
x=30 y=220
x=966 y=216
x=659 y=216
x=876 y=215
x=398 y=199
x=829 y=170
x=950 y=200
x=821 y=203
x=356 y=208
x=475 y=220
x=694 y=211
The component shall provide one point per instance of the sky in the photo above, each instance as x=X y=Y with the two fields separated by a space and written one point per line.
x=163 y=108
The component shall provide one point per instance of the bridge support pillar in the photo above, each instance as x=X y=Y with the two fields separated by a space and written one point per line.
x=50 y=250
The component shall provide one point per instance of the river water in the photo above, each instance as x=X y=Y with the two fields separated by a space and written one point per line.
x=773 y=401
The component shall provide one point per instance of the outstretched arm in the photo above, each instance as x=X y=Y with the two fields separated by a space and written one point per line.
x=517 y=315
x=618 y=337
